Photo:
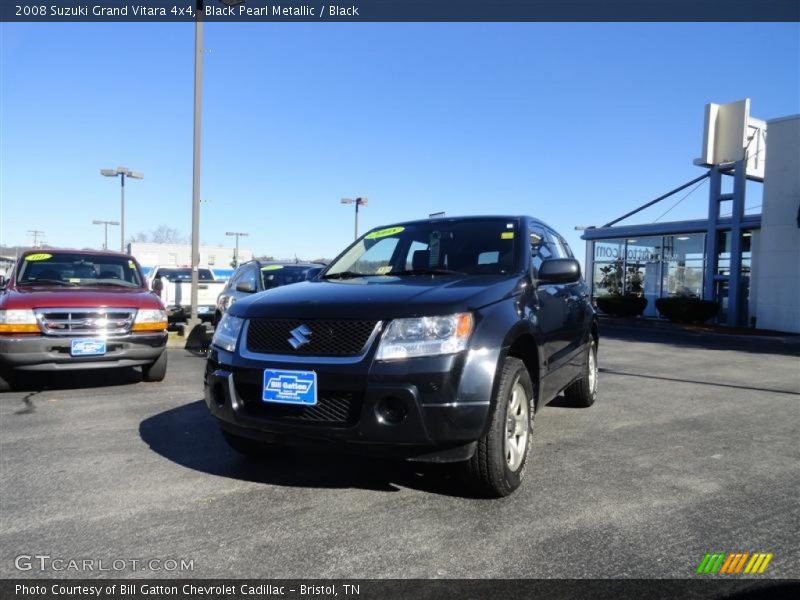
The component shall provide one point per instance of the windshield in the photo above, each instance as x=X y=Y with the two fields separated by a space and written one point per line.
x=70 y=269
x=472 y=246
x=182 y=275
x=277 y=275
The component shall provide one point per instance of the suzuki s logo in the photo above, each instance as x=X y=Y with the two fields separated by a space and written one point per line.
x=300 y=336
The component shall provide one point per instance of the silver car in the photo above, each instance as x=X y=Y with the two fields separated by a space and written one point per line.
x=256 y=276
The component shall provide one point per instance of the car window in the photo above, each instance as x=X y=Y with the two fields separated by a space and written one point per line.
x=540 y=248
x=72 y=269
x=183 y=275
x=559 y=246
x=249 y=276
x=473 y=246
x=273 y=276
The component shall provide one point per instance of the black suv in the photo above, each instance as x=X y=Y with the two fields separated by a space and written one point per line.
x=433 y=340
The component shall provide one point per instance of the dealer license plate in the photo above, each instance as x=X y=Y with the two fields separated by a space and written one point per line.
x=290 y=387
x=88 y=347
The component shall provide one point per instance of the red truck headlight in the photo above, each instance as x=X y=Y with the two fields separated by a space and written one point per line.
x=150 y=320
x=18 y=321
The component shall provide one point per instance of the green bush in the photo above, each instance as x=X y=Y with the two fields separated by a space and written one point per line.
x=687 y=310
x=622 y=306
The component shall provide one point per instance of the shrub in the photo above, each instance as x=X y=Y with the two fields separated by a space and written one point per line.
x=622 y=306
x=687 y=310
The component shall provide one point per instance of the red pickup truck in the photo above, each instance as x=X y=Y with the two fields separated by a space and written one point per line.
x=64 y=310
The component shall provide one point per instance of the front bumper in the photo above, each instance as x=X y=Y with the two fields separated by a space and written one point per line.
x=52 y=353
x=440 y=420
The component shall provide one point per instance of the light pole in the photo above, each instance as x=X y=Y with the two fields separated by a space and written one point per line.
x=198 y=109
x=122 y=172
x=237 y=235
x=105 y=226
x=358 y=202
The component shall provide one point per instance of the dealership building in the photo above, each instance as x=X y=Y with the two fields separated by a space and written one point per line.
x=748 y=261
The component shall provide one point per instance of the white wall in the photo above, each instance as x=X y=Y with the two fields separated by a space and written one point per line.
x=217 y=257
x=778 y=274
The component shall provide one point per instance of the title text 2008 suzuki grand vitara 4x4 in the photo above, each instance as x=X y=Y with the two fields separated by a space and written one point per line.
x=434 y=340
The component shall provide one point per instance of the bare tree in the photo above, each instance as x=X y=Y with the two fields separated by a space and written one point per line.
x=163 y=234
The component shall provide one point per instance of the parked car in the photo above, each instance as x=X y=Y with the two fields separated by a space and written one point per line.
x=175 y=291
x=66 y=310
x=256 y=276
x=435 y=340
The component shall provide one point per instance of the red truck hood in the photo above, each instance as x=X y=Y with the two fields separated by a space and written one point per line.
x=86 y=297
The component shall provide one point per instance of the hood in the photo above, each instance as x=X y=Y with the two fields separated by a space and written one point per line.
x=379 y=297
x=83 y=297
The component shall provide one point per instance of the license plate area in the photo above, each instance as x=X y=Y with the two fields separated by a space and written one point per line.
x=87 y=347
x=289 y=387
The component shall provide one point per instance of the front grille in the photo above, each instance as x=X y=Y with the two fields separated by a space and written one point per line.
x=85 y=321
x=325 y=337
x=337 y=409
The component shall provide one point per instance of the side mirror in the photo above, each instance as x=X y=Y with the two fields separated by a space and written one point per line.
x=157 y=285
x=247 y=287
x=560 y=270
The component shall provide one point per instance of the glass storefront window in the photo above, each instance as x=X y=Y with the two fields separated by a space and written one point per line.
x=684 y=262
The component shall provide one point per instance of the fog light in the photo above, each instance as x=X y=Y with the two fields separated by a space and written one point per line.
x=390 y=410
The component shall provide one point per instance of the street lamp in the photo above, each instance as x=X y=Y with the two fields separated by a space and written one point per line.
x=198 y=109
x=105 y=224
x=358 y=202
x=122 y=172
x=237 y=234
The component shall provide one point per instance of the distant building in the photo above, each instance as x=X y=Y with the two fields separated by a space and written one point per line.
x=217 y=258
x=746 y=261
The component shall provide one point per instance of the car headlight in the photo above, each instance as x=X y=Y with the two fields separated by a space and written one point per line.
x=18 y=321
x=425 y=336
x=226 y=335
x=150 y=319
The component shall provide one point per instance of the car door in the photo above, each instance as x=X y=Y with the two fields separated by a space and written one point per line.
x=575 y=295
x=551 y=302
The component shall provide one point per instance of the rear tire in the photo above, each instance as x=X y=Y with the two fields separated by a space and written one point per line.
x=498 y=465
x=583 y=392
x=248 y=447
x=157 y=370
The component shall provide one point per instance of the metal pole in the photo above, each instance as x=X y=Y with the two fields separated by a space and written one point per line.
x=357 y=203
x=236 y=252
x=198 y=88
x=105 y=240
x=122 y=217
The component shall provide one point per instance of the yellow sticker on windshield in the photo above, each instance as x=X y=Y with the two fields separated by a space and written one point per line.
x=74 y=280
x=384 y=233
x=131 y=264
x=507 y=235
x=271 y=267
x=384 y=269
x=39 y=256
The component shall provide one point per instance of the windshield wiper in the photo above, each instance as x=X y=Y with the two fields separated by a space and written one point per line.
x=345 y=275
x=113 y=283
x=46 y=282
x=426 y=271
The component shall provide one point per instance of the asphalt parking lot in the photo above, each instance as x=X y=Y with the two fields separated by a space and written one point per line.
x=691 y=448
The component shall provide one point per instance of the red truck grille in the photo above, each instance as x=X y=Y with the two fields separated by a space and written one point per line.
x=85 y=321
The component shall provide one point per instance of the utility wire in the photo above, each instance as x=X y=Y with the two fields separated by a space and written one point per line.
x=689 y=193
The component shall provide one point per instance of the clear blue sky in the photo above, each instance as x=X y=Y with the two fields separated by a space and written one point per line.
x=573 y=123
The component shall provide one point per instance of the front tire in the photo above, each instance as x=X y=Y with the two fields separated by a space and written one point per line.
x=157 y=370
x=583 y=392
x=6 y=380
x=498 y=465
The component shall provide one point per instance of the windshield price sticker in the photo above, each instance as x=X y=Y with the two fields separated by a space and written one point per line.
x=39 y=256
x=384 y=233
